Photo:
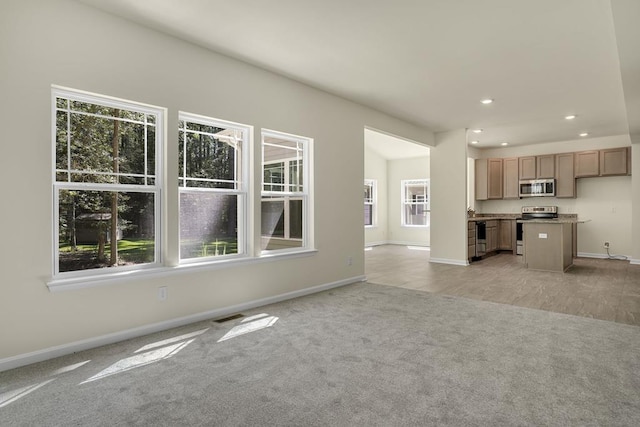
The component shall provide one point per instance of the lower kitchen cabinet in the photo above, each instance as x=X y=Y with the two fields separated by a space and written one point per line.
x=471 y=237
x=492 y=236
x=506 y=234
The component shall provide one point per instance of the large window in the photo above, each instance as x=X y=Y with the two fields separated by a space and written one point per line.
x=212 y=187
x=285 y=191
x=106 y=183
x=369 y=202
x=415 y=203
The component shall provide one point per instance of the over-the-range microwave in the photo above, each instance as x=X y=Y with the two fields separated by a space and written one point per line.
x=538 y=188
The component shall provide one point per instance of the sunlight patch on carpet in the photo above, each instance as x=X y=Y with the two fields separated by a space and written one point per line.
x=250 y=324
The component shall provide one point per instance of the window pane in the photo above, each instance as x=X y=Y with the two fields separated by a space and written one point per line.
x=208 y=224
x=105 y=144
x=368 y=215
x=295 y=221
x=274 y=177
x=273 y=218
x=415 y=214
x=208 y=156
x=281 y=223
x=86 y=224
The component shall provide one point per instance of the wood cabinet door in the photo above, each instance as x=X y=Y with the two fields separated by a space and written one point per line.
x=545 y=166
x=587 y=163
x=505 y=235
x=481 y=175
x=492 y=239
x=494 y=187
x=527 y=167
x=565 y=178
x=613 y=161
x=511 y=188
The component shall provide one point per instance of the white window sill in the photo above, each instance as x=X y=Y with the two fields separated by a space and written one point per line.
x=66 y=284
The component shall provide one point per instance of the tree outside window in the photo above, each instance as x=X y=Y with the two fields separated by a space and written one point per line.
x=106 y=182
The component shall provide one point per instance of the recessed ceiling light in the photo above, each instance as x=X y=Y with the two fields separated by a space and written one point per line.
x=477 y=130
x=505 y=143
x=474 y=142
x=487 y=101
x=570 y=117
x=584 y=134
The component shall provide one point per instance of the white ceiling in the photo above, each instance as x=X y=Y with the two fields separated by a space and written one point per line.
x=430 y=62
x=392 y=148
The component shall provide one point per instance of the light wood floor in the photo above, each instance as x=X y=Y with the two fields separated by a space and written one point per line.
x=598 y=288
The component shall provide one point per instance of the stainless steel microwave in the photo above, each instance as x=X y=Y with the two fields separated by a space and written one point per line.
x=538 y=188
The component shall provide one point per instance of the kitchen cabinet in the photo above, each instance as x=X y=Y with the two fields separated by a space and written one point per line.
x=511 y=187
x=587 y=163
x=537 y=167
x=494 y=188
x=488 y=179
x=565 y=176
x=545 y=166
x=492 y=236
x=613 y=161
x=471 y=237
x=527 y=167
x=506 y=234
x=481 y=179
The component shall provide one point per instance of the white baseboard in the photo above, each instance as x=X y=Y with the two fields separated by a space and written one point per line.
x=65 y=349
x=604 y=256
x=370 y=244
x=406 y=243
x=634 y=261
x=449 y=261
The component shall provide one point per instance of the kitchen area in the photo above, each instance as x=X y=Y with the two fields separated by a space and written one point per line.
x=539 y=207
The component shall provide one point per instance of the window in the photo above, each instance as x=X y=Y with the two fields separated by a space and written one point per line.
x=370 y=195
x=212 y=187
x=285 y=191
x=106 y=183
x=415 y=203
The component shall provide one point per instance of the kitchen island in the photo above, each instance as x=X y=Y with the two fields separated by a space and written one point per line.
x=548 y=244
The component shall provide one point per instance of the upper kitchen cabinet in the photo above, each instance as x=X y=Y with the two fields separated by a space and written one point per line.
x=510 y=183
x=545 y=167
x=495 y=179
x=527 y=167
x=481 y=179
x=614 y=161
x=587 y=163
x=488 y=179
x=565 y=176
x=537 y=167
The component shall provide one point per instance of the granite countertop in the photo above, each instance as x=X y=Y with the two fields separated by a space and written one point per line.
x=562 y=218
x=554 y=221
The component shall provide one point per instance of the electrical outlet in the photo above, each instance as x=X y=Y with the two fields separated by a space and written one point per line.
x=349 y=261
x=163 y=293
x=606 y=244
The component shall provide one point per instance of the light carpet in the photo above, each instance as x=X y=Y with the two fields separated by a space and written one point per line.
x=363 y=354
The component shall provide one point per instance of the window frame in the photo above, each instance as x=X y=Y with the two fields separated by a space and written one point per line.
x=426 y=182
x=304 y=192
x=241 y=180
x=373 y=184
x=156 y=188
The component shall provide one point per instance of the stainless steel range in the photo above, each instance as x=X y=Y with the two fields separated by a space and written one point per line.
x=539 y=212
x=533 y=212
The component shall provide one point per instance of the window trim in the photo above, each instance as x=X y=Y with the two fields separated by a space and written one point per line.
x=157 y=189
x=306 y=194
x=403 y=202
x=374 y=202
x=244 y=199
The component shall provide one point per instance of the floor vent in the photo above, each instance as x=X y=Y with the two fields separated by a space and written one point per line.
x=232 y=317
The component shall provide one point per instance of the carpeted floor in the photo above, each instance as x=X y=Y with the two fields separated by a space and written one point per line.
x=363 y=354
